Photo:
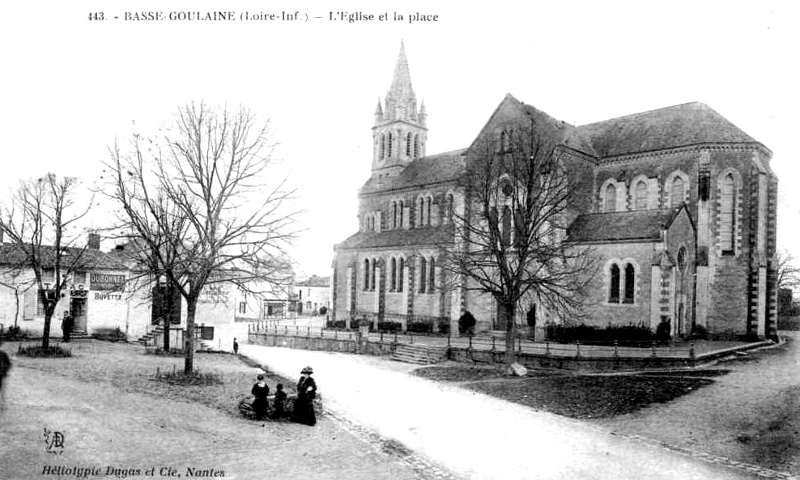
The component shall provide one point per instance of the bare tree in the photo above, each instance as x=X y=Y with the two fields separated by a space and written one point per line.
x=40 y=222
x=509 y=239
x=16 y=282
x=199 y=200
x=788 y=272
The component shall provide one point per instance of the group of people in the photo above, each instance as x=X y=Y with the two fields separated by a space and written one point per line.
x=303 y=411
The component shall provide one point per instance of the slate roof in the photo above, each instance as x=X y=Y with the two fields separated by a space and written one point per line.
x=639 y=225
x=422 y=171
x=12 y=254
x=560 y=131
x=427 y=236
x=315 y=281
x=671 y=127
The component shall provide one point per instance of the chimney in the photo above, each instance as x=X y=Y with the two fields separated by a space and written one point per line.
x=93 y=242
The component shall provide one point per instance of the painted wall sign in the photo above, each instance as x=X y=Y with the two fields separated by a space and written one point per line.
x=104 y=281
x=107 y=296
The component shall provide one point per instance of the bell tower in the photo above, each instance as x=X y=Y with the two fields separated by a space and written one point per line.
x=399 y=134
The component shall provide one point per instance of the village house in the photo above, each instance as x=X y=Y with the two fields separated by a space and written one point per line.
x=676 y=205
x=313 y=295
x=94 y=296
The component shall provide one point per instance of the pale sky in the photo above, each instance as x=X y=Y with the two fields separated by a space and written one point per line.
x=70 y=85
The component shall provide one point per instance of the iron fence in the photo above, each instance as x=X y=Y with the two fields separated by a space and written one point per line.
x=485 y=343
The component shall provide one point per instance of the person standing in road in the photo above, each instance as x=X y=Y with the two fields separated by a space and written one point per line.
x=67 y=324
x=235 y=346
x=304 y=405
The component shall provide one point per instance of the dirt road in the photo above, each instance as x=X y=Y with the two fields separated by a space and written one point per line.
x=477 y=436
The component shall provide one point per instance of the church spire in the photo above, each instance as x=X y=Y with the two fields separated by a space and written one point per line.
x=401 y=103
x=399 y=134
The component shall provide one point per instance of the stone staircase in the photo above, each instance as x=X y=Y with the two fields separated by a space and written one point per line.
x=147 y=338
x=419 y=354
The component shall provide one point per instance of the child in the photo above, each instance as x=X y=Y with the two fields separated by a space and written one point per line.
x=280 y=402
x=235 y=346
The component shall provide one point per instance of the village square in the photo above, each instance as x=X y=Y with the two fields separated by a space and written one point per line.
x=448 y=283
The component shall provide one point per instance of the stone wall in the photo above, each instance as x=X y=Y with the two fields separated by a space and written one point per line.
x=597 y=309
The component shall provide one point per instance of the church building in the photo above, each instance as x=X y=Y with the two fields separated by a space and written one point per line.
x=676 y=205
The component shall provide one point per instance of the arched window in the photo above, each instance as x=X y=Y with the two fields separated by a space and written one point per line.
x=501 y=147
x=682 y=259
x=613 y=288
x=421 y=213
x=400 y=275
x=494 y=220
x=416 y=146
x=408 y=144
x=630 y=277
x=431 y=275
x=394 y=214
x=726 y=214
x=449 y=211
x=428 y=212
x=640 y=196
x=400 y=224
x=366 y=275
x=394 y=275
x=676 y=192
x=422 y=274
x=611 y=198
x=505 y=231
x=374 y=274
x=389 y=146
x=383 y=146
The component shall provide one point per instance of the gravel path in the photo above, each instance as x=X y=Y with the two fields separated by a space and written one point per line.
x=475 y=436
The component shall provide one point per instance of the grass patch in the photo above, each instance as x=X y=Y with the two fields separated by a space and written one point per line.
x=574 y=395
x=588 y=396
x=195 y=378
x=173 y=352
x=37 y=351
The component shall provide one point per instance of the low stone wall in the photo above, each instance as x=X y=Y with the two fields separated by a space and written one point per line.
x=344 y=345
x=467 y=355
x=350 y=344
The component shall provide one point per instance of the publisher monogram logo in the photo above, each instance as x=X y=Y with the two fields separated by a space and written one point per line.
x=53 y=441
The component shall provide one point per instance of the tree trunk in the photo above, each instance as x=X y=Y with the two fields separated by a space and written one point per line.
x=16 y=313
x=191 y=307
x=48 y=317
x=168 y=316
x=507 y=311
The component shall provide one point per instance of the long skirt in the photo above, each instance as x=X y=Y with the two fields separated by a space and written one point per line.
x=304 y=412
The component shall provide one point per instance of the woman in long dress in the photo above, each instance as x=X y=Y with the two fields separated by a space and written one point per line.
x=304 y=405
x=260 y=404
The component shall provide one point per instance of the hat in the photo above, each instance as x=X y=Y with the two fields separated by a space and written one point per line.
x=307 y=370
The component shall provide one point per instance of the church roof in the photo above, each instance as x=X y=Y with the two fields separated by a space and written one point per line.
x=426 y=236
x=422 y=171
x=670 y=127
x=639 y=225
